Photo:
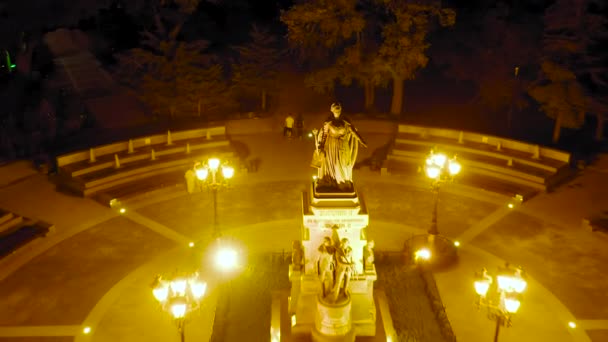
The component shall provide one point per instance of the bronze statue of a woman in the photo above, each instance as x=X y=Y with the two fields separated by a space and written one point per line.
x=337 y=145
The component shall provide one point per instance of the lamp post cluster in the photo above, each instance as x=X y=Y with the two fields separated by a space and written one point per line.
x=500 y=295
x=439 y=168
x=210 y=177
x=179 y=296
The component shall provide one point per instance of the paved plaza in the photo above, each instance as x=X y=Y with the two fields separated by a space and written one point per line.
x=95 y=270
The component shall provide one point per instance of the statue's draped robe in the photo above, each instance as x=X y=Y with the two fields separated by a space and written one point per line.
x=340 y=147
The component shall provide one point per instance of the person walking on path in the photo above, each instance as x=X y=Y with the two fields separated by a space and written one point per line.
x=288 y=130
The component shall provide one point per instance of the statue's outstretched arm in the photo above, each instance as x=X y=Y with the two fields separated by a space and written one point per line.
x=356 y=134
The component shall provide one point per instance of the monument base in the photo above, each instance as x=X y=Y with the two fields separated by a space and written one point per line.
x=318 y=337
x=334 y=216
x=333 y=321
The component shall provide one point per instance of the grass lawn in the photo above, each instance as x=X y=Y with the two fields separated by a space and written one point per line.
x=413 y=318
x=243 y=311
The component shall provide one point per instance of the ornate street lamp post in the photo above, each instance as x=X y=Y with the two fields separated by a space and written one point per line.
x=210 y=177
x=500 y=295
x=439 y=169
x=179 y=297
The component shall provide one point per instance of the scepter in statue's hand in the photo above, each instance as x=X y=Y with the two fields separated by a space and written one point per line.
x=318 y=154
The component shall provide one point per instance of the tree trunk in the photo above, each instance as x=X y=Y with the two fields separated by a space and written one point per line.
x=264 y=98
x=369 y=95
x=397 y=101
x=557 y=128
x=599 y=130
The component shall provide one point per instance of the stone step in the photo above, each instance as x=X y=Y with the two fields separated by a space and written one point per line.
x=5 y=216
x=10 y=225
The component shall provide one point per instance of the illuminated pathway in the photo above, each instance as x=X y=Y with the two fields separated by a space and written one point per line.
x=98 y=266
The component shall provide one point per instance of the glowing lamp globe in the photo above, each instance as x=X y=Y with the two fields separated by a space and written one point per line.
x=202 y=173
x=213 y=163
x=161 y=292
x=227 y=172
x=433 y=172
x=179 y=286
x=482 y=286
x=178 y=310
x=198 y=289
x=512 y=304
x=454 y=167
x=439 y=159
x=519 y=285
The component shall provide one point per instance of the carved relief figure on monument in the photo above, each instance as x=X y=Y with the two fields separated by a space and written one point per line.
x=368 y=256
x=297 y=256
x=336 y=147
x=345 y=269
x=325 y=265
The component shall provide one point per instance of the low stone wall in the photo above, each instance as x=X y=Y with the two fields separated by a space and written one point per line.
x=123 y=146
x=462 y=137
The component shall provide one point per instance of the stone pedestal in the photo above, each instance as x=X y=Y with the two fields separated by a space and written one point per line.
x=333 y=320
x=337 y=216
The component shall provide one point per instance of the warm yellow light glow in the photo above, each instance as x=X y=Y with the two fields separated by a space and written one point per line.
x=178 y=286
x=122 y=210
x=275 y=336
x=510 y=205
x=439 y=159
x=422 y=254
x=314 y=177
x=482 y=287
x=202 y=173
x=454 y=167
x=161 y=292
x=213 y=163
x=191 y=244
x=433 y=171
x=293 y=320
x=226 y=259
x=510 y=283
x=227 y=172
x=572 y=324
x=457 y=243
x=198 y=289
x=482 y=283
x=86 y=330
x=512 y=304
x=504 y=282
x=178 y=310
x=519 y=284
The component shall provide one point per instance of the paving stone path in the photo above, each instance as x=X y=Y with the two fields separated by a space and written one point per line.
x=96 y=270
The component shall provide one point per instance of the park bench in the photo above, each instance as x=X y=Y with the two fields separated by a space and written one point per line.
x=496 y=164
x=16 y=231
x=109 y=166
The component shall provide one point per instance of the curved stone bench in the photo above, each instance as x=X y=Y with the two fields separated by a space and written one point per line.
x=16 y=231
x=106 y=167
x=528 y=168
